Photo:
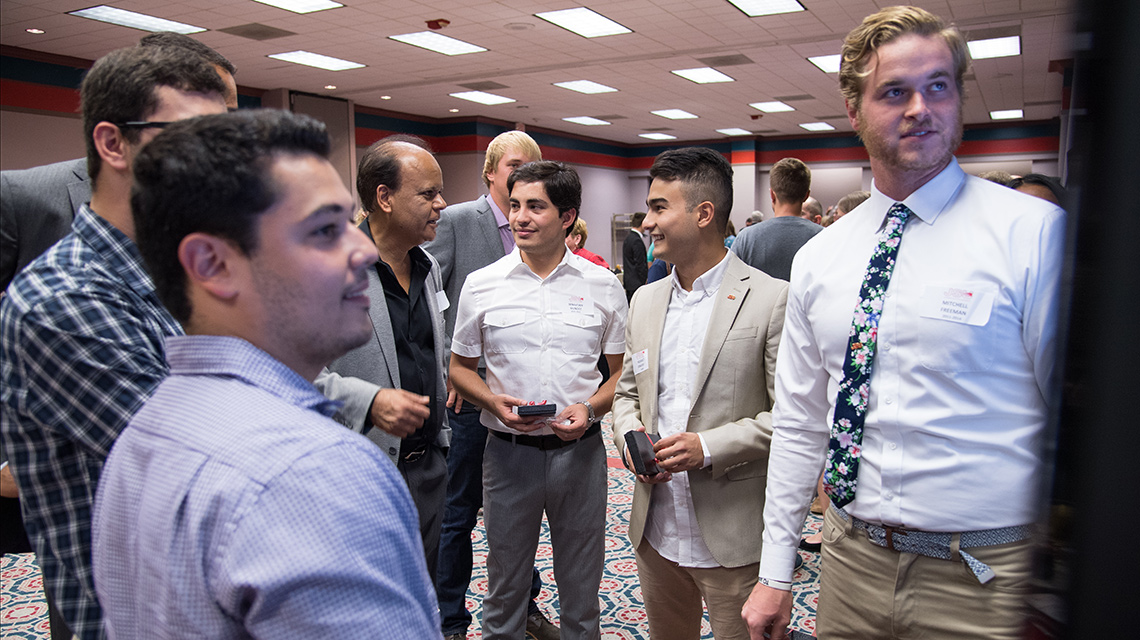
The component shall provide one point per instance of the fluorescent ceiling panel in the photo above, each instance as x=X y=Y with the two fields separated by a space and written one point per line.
x=586 y=120
x=753 y=8
x=124 y=18
x=703 y=75
x=735 y=131
x=583 y=22
x=302 y=6
x=995 y=47
x=674 y=114
x=317 y=60
x=1008 y=114
x=657 y=136
x=585 y=86
x=771 y=107
x=829 y=64
x=481 y=97
x=433 y=41
x=817 y=126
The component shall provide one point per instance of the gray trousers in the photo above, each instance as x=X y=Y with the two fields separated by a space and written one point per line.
x=519 y=484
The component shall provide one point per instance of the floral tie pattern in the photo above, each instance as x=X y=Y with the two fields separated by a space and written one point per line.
x=845 y=448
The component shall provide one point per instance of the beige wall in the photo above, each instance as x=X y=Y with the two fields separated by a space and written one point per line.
x=32 y=139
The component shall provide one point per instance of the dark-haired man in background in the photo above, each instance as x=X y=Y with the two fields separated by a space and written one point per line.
x=37 y=205
x=541 y=317
x=393 y=386
x=634 y=256
x=770 y=245
x=81 y=328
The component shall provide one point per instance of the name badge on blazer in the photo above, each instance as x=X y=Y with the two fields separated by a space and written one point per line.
x=640 y=361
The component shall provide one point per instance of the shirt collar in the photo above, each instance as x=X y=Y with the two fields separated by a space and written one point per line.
x=569 y=261
x=231 y=357
x=500 y=218
x=706 y=284
x=931 y=199
x=115 y=248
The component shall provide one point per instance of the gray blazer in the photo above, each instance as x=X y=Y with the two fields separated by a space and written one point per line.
x=732 y=404
x=467 y=239
x=37 y=207
x=355 y=377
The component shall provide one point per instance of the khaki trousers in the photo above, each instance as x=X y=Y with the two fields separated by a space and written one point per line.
x=673 y=594
x=867 y=591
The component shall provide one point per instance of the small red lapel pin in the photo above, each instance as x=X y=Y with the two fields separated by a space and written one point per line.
x=731 y=297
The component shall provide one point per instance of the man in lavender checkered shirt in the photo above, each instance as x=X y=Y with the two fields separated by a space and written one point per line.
x=232 y=505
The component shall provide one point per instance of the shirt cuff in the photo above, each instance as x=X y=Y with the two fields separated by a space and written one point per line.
x=705 y=450
x=777 y=564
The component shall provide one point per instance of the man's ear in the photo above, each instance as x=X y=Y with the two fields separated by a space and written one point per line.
x=384 y=198
x=568 y=218
x=706 y=214
x=111 y=146
x=772 y=194
x=852 y=114
x=208 y=262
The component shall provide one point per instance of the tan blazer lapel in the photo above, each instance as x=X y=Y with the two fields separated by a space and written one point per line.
x=730 y=297
x=651 y=316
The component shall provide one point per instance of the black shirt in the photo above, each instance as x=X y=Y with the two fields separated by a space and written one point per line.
x=411 y=320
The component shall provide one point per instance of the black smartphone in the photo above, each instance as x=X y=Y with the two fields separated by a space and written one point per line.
x=640 y=445
x=536 y=410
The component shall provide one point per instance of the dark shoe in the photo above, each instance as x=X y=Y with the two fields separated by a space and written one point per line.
x=810 y=547
x=539 y=628
x=799 y=562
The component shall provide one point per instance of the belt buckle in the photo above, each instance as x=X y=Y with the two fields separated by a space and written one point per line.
x=890 y=533
x=412 y=456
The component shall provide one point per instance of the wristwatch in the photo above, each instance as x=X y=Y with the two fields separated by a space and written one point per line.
x=590 y=408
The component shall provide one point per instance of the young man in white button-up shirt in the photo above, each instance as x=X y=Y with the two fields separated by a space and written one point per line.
x=934 y=542
x=541 y=317
x=699 y=373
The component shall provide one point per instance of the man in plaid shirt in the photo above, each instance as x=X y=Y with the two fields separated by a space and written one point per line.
x=81 y=329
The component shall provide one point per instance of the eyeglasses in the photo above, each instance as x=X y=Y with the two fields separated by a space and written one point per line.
x=142 y=124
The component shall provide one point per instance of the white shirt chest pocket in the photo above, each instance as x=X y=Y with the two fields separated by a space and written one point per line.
x=504 y=331
x=581 y=333
x=956 y=326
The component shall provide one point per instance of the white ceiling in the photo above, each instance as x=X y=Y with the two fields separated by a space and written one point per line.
x=527 y=54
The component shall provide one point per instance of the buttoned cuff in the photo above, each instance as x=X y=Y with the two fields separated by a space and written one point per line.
x=705 y=451
x=777 y=564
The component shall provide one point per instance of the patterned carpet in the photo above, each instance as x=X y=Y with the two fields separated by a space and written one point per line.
x=23 y=614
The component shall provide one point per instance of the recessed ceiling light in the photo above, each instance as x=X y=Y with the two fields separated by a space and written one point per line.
x=753 y=8
x=829 y=64
x=995 y=47
x=481 y=97
x=35 y=31
x=310 y=59
x=123 y=18
x=302 y=6
x=385 y=97
x=657 y=136
x=330 y=87
x=817 y=126
x=585 y=86
x=586 y=120
x=771 y=107
x=703 y=75
x=1008 y=114
x=735 y=131
x=439 y=43
x=673 y=114
x=453 y=110
x=584 y=22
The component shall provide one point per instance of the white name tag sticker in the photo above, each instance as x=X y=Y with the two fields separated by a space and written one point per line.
x=965 y=304
x=573 y=304
x=441 y=301
x=640 y=361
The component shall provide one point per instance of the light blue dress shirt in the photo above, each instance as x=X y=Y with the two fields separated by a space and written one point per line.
x=232 y=506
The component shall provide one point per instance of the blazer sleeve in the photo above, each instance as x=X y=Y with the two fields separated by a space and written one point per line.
x=627 y=402
x=356 y=394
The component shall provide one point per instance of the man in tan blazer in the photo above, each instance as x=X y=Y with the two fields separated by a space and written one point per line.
x=699 y=368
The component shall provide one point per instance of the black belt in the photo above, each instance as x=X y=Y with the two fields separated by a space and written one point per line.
x=548 y=442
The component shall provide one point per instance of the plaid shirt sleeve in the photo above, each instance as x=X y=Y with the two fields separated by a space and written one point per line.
x=77 y=366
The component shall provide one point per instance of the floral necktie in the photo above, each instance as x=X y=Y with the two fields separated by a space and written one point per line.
x=842 y=469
